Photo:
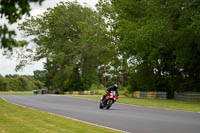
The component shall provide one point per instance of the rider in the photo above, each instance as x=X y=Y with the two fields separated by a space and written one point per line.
x=112 y=88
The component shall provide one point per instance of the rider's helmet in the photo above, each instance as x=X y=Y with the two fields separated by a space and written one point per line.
x=115 y=85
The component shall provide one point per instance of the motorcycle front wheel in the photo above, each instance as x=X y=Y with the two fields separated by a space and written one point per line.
x=110 y=102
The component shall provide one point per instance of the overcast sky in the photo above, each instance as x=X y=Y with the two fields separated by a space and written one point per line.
x=7 y=66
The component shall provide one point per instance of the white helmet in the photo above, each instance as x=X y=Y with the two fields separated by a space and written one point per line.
x=115 y=85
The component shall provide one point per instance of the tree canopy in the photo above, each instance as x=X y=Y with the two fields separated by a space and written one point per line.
x=13 y=10
x=161 y=39
x=74 y=40
x=143 y=45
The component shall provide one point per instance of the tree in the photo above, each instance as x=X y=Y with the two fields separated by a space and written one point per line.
x=40 y=75
x=19 y=83
x=12 y=10
x=69 y=36
x=38 y=84
x=161 y=37
x=74 y=83
x=2 y=83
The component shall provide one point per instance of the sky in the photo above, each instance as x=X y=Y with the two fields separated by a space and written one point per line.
x=7 y=66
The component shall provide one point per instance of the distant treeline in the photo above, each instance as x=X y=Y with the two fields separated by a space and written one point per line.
x=19 y=83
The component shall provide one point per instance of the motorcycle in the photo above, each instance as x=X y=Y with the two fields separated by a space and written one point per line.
x=108 y=100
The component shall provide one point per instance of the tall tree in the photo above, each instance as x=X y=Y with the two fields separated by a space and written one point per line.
x=69 y=35
x=161 y=37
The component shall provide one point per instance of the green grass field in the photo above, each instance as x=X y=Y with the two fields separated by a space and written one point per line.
x=156 y=103
x=16 y=119
x=16 y=92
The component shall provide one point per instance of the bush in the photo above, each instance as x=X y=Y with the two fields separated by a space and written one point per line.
x=100 y=92
x=97 y=87
x=94 y=87
x=127 y=91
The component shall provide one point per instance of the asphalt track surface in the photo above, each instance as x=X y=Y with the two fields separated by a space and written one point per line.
x=123 y=117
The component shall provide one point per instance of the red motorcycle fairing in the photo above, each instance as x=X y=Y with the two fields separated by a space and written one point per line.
x=112 y=95
x=115 y=98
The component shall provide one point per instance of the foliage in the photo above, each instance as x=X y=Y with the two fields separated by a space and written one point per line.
x=97 y=87
x=13 y=10
x=38 y=84
x=74 y=40
x=160 y=39
x=142 y=45
x=40 y=75
x=2 y=83
x=19 y=83
x=75 y=83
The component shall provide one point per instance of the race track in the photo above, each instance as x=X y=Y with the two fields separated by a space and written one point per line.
x=123 y=117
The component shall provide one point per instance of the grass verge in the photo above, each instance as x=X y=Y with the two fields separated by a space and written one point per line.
x=16 y=92
x=156 y=103
x=16 y=119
